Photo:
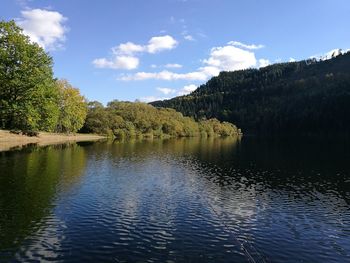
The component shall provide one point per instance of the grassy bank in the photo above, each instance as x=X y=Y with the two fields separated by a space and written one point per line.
x=9 y=140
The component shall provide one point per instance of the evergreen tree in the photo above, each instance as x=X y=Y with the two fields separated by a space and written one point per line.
x=306 y=97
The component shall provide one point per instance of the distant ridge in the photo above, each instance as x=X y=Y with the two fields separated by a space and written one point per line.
x=331 y=54
x=305 y=97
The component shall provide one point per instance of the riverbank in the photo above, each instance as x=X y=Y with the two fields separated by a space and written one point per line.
x=9 y=140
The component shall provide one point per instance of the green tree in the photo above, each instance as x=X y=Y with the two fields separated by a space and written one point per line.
x=28 y=97
x=127 y=119
x=73 y=107
x=97 y=119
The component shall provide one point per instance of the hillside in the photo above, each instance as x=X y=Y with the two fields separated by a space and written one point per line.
x=305 y=97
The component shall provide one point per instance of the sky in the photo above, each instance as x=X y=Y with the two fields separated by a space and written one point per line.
x=158 y=49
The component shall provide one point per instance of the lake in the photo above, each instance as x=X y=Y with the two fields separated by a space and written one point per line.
x=178 y=200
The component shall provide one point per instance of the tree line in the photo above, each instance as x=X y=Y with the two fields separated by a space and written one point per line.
x=31 y=99
x=136 y=119
x=305 y=97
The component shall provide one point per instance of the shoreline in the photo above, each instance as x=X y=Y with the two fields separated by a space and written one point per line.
x=9 y=140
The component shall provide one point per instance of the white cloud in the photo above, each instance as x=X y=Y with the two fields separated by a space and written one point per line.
x=226 y=58
x=157 y=44
x=242 y=45
x=187 y=90
x=164 y=75
x=166 y=91
x=230 y=58
x=263 y=63
x=292 y=59
x=169 y=65
x=174 y=65
x=330 y=54
x=209 y=71
x=189 y=38
x=127 y=48
x=119 y=62
x=152 y=98
x=124 y=54
x=44 y=27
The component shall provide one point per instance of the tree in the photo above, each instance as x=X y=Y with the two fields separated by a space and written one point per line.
x=28 y=97
x=97 y=119
x=72 y=106
x=127 y=119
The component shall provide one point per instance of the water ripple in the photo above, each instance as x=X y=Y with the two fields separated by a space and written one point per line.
x=172 y=201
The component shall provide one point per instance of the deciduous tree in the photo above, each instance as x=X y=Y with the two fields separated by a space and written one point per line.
x=28 y=97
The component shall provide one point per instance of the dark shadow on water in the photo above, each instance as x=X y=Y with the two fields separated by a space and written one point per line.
x=29 y=183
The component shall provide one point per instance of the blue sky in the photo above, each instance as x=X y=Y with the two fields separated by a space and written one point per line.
x=147 y=50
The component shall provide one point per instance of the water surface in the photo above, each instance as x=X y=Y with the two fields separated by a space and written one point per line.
x=186 y=200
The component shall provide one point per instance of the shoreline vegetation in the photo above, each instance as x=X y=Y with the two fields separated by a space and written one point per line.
x=9 y=140
x=140 y=120
x=32 y=101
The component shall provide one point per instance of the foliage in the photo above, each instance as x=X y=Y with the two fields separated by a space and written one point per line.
x=127 y=119
x=298 y=97
x=72 y=107
x=28 y=97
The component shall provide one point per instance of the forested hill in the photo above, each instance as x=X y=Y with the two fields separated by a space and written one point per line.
x=308 y=97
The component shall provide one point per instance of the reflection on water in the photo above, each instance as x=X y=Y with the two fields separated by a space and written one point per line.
x=185 y=200
x=29 y=183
